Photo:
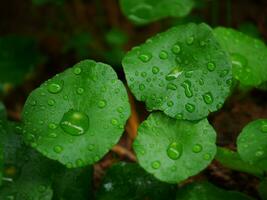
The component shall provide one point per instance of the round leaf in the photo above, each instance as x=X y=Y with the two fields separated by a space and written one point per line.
x=252 y=143
x=249 y=56
x=183 y=72
x=78 y=115
x=131 y=182
x=142 y=12
x=207 y=191
x=173 y=150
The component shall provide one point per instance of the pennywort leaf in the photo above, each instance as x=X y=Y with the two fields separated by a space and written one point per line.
x=207 y=191
x=173 y=150
x=129 y=181
x=251 y=143
x=78 y=115
x=143 y=12
x=248 y=55
x=183 y=72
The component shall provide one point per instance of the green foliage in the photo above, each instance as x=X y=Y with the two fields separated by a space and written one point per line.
x=252 y=145
x=18 y=56
x=173 y=150
x=233 y=161
x=131 y=182
x=143 y=12
x=84 y=107
x=183 y=72
x=249 y=56
x=207 y=191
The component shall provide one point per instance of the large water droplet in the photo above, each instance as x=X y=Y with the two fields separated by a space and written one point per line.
x=190 y=107
x=75 y=122
x=54 y=88
x=208 y=98
x=187 y=88
x=175 y=150
x=174 y=73
x=155 y=164
x=145 y=57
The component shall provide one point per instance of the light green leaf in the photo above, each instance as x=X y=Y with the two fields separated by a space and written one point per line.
x=233 y=161
x=207 y=191
x=131 y=182
x=249 y=56
x=173 y=150
x=183 y=72
x=143 y=12
x=78 y=115
x=252 y=143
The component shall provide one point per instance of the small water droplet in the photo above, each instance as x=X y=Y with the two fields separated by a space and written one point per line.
x=142 y=87
x=145 y=57
x=80 y=90
x=155 y=165
x=51 y=102
x=52 y=125
x=264 y=128
x=197 y=148
x=114 y=122
x=52 y=135
x=155 y=70
x=175 y=150
x=143 y=74
x=171 y=86
x=58 y=149
x=259 y=153
x=239 y=64
x=208 y=98
x=77 y=70
x=190 y=107
x=54 y=88
x=102 y=104
x=179 y=116
x=190 y=40
x=174 y=73
x=75 y=122
x=170 y=103
x=211 y=66
x=176 y=49
x=187 y=88
x=163 y=55
x=33 y=102
x=207 y=156
x=91 y=147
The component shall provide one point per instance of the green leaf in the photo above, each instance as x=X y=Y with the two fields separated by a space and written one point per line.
x=78 y=115
x=252 y=143
x=173 y=150
x=249 y=56
x=250 y=29
x=182 y=72
x=207 y=191
x=27 y=174
x=18 y=55
x=116 y=37
x=73 y=184
x=233 y=161
x=143 y=12
x=131 y=182
x=262 y=189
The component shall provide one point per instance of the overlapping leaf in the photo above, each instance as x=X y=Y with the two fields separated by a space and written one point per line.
x=78 y=115
x=183 y=72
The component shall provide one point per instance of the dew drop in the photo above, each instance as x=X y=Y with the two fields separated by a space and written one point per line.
x=163 y=55
x=75 y=122
x=77 y=70
x=197 y=148
x=239 y=64
x=259 y=153
x=58 y=149
x=187 y=88
x=102 y=104
x=176 y=49
x=33 y=102
x=141 y=87
x=179 y=116
x=155 y=165
x=91 y=147
x=170 y=103
x=80 y=90
x=207 y=156
x=190 y=40
x=190 y=107
x=208 y=98
x=52 y=125
x=174 y=73
x=211 y=66
x=264 y=128
x=51 y=102
x=114 y=122
x=52 y=135
x=155 y=70
x=175 y=150
x=171 y=86
x=54 y=88
x=145 y=57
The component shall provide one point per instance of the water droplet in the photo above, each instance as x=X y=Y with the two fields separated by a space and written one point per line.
x=179 y=116
x=264 y=128
x=197 y=148
x=155 y=165
x=52 y=135
x=171 y=86
x=58 y=149
x=208 y=98
x=190 y=107
x=114 y=122
x=142 y=87
x=91 y=147
x=77 y=70
x=187 y=88
x=170 y=103
x=33 y=102
x=190 y=40
x=239 y=64
x=207 y=156
x=174 y=73
x=80 y=90
x=145 y=57
x=102 y=104
x=176 y=49
x=211 y=66
x=51 y=102
x=54 y=88
x=143 y=74
x=75 y=122
x=163 y=55
x=155 y=70
x=259 y=153
x=175 y=150
x=52 y=125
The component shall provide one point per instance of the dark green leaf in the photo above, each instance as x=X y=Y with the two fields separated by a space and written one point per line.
x=263 y=189
x=173 y=150
x=182 y=72
x=143 y=12
x=207 y=191
x=131 y=182
x=78 y=115
x=252 y=143
x=249 y=56
x=116 y=37
x=233 y=161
